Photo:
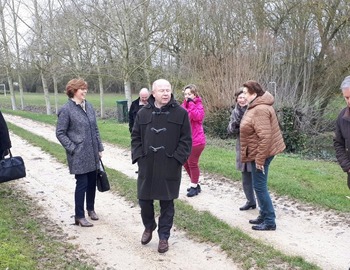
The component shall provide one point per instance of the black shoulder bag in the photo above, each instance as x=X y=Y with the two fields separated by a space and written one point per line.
x=11 y=168
x=102 y=182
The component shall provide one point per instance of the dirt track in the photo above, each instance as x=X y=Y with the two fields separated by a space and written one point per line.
x=321 y=237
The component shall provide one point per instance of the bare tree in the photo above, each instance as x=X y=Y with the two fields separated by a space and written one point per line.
x=18 y=58
x=7 y=55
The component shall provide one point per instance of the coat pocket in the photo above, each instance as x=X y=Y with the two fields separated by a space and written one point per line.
x=347 y=145
x=174 y=169
x=244 y=151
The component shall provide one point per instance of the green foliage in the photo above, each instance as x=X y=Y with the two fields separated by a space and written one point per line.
x=320 y=146
x=216 y=121
x=294 y=138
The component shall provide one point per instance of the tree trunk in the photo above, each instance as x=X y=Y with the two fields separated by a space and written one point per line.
x=38 y=32
x=100 y=83
x=55 y=89
x=7 y=58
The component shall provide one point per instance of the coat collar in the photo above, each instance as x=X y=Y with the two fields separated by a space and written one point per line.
x=171 y=103
x=266 y=99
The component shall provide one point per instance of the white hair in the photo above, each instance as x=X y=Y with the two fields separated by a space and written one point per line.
x=159 y=82
x=144 y=90
x=345 y=84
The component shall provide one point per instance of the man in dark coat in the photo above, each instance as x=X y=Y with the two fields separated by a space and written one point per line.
x=136 y=105
x=5 y=142
x=160 y=143
x=342 y=131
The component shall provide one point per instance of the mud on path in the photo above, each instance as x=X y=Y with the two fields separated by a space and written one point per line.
x=319 y=236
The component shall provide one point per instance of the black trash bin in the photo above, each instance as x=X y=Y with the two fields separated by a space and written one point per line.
x=122 y=111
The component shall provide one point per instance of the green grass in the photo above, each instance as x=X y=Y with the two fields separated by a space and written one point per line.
x=37 y=100
x=25 y=243
x=241 y=248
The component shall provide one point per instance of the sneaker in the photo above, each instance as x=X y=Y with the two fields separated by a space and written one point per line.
x=199 y=189
x=193 y=192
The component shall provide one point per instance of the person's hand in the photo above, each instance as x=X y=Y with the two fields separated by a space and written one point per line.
x=100 y=154
x=189 y=100
x=260 y=168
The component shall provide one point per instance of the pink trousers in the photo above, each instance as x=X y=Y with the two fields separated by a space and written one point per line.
x=191 y=165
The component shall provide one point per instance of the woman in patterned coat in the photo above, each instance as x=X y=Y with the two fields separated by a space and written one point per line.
x=78 y=133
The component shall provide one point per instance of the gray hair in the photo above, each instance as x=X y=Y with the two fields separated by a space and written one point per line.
x=144 y=90
x=345 y=84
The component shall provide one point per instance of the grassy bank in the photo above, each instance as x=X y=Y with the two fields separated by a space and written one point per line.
x=30 y=241
x=241 y=248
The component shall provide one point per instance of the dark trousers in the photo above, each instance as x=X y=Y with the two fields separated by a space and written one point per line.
x=267 y=211
x=166 y=218
x=86 y=183
x=192 y=164
x=248 y=189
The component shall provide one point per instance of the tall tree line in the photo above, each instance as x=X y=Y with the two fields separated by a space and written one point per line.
x=297 y=49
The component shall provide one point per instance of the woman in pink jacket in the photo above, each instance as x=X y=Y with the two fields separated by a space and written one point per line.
x=193 y=105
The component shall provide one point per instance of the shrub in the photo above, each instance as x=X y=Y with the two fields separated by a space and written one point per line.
x=294 y=138
x=216 y=121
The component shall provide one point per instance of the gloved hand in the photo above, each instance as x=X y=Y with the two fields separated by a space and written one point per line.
x=189 y=100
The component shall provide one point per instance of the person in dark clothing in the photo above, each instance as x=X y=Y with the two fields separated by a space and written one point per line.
x=78 y=133
x=342 y=131
x=5 y=142
x=136 y=105
x=245 y=168
x=160 y=144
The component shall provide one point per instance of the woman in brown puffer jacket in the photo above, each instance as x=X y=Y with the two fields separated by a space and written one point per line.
x=261 y=140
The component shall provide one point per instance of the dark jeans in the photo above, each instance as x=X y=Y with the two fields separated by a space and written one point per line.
x=86 y=183
x=166 y=218
x=247 y=183
x=267 y=211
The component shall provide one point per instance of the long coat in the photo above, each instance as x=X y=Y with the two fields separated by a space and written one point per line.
x=342 y=139
x=233 y=129
x=78 y=133
x=160 y=144
x=260 y=134
x=134 y=108
x=5 y=142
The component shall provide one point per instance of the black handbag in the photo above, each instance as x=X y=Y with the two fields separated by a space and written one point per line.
x=11 y=168
x=102 y=182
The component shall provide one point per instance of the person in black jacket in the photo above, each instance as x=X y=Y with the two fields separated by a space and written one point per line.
x=245 y=168
x=5 y=142
x=136 y=105
x=342 y=131
x=161 y=142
